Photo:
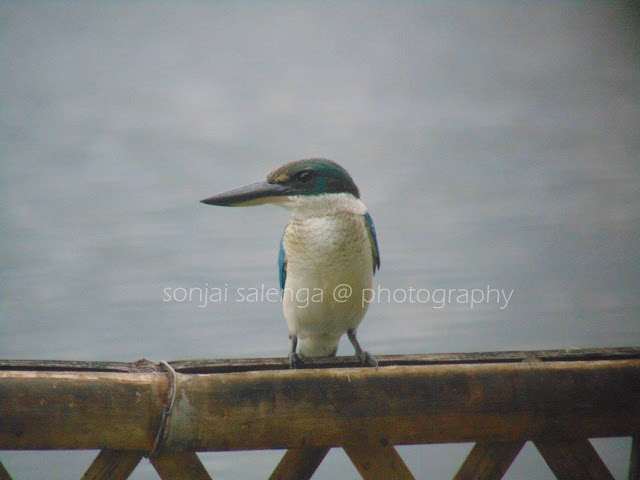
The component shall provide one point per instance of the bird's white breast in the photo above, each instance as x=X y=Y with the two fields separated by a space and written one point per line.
x=327 y=247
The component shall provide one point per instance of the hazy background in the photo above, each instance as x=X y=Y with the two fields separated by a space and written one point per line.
x=494 y=144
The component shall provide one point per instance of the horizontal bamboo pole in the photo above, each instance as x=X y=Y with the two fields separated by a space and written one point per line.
x=393 y=405
x=78 y=410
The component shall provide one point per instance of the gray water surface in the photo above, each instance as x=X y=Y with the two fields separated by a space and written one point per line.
x=496 y=146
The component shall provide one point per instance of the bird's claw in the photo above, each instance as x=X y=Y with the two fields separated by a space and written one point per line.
x=368 y=360
x=295 y=361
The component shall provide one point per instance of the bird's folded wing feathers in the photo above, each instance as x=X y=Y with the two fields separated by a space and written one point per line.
x=282 y=265
x=374 y=241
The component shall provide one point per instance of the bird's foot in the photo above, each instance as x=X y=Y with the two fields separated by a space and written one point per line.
x=295 y=361
x=367 y=360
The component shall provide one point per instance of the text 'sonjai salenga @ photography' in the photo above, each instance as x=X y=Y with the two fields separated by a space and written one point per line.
x=437 y=298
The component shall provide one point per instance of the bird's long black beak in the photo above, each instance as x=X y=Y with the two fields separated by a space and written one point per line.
x=257 y=193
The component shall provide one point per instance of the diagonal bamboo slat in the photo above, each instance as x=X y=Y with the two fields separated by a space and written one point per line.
x=113 y=465
x=299 y=463
x=4 y=474
x=634 y=462
x=377 y=462
x=573 y=460
x=179 y=466
x=489 y=460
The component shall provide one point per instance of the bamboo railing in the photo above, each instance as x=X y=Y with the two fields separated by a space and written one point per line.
x=500 y=400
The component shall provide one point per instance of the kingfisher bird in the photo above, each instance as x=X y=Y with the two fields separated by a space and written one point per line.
x=328 y=253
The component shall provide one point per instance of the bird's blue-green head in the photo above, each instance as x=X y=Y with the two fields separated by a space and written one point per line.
x=314 y=176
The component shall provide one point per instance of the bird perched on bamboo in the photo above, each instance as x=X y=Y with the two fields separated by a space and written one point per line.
x=329 y=250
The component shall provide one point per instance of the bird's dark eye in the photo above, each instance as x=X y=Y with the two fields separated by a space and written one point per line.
x=306 y=176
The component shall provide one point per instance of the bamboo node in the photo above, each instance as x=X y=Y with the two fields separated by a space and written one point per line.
x=166 y=410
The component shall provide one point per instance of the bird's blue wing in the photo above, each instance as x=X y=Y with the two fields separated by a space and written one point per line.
x=282 y=265
x=368 y=221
